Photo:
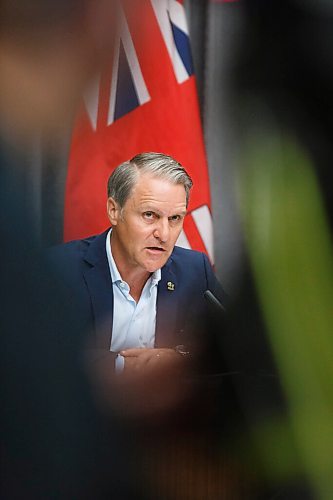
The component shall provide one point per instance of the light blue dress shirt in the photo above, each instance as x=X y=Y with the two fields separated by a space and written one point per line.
x=134 y=323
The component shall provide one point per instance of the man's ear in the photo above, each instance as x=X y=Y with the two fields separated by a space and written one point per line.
x=113 y=211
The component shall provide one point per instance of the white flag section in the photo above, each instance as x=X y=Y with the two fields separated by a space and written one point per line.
x=125 y=40
x=91 y=100
x=168 y=13
x=204 y=224
x=183 y=241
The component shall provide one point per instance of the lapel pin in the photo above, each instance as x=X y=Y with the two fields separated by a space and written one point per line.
x=171 y=286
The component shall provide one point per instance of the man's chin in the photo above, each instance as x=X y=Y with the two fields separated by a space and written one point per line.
x=153 y=265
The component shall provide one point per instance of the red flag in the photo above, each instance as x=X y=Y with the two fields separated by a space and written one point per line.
x=145 y=101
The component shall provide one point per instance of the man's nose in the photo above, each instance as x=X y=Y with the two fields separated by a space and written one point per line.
x=162 y=230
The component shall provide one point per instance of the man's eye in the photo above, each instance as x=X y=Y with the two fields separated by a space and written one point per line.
x=175 y=218
x=148 y=215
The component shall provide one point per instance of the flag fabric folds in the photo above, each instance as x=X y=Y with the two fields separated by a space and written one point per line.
x=145 y=101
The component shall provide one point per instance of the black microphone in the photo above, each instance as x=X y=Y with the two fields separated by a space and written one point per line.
x=214 y=301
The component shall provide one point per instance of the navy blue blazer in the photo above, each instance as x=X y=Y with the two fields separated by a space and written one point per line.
x=181 y=311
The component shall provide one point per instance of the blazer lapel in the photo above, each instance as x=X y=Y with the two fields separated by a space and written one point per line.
x=98 y=280
x=168 y=300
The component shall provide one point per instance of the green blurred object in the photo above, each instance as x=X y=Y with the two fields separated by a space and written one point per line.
x=290 y=249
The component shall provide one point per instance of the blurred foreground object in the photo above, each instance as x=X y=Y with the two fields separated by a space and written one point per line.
x=48 y=53
x=284 y=96
x=54 y=444
x=290 y=248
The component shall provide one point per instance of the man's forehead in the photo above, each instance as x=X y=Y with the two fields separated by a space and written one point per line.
x=150 y=187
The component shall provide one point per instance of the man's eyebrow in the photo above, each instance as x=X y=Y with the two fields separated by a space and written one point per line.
x=181 y=213
x=149 y=208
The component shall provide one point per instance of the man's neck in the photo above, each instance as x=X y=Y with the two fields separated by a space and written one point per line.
x=135 y=277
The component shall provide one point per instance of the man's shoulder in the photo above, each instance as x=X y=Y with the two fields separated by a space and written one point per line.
x=73 y=247
x=187 y=253
x=78 y=249
x=190 y=258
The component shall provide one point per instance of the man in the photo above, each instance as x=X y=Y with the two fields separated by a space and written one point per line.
x=144 y=295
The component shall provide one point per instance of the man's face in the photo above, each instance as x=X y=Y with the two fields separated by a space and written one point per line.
x=151 y=220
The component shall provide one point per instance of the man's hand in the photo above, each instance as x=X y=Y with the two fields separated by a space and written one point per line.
x=149 y=360
x=151 y=383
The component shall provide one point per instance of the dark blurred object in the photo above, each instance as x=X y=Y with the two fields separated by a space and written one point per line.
x=286 y=63
x=54 y=443
x=282 y=87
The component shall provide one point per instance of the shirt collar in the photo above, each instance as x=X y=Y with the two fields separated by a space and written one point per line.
x=156 y=277
x=115 y=274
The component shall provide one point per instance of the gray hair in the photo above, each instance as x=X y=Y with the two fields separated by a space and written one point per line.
x=126 y=175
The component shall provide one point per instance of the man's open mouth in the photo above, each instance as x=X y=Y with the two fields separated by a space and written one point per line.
x=156 y=249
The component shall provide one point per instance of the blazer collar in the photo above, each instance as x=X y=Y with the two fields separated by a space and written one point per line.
x=97 y=250
x=98 y=280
